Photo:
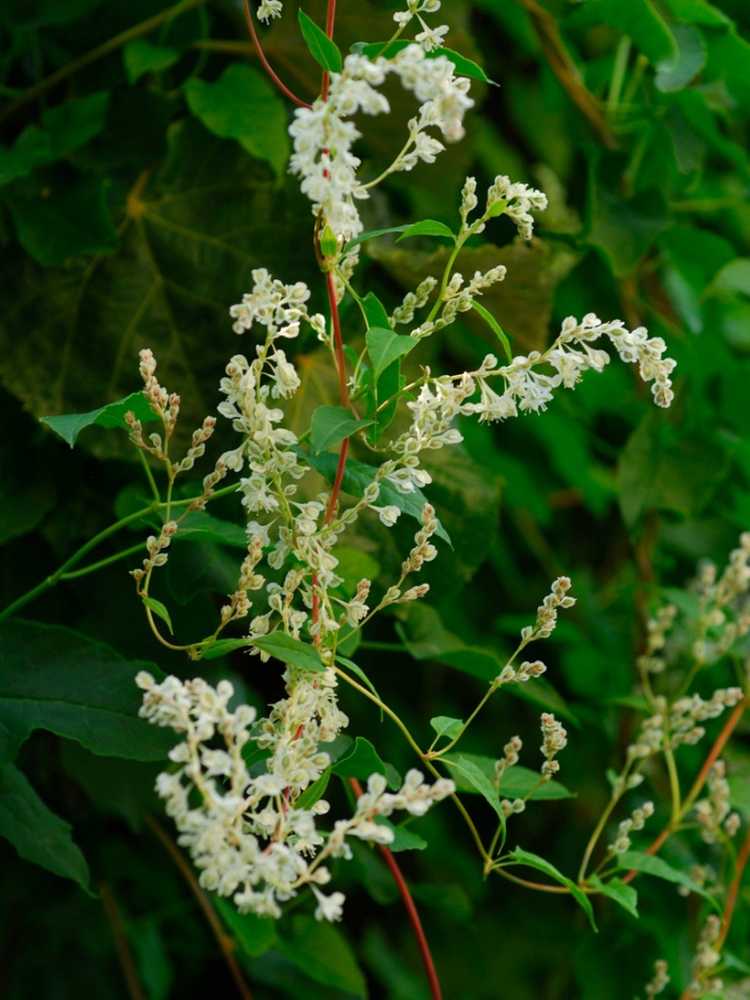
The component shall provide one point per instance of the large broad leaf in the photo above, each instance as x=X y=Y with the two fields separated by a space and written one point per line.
x=141 y=56
x=243 y=105
x=323 y=953
x=289 y=650
x=541 y=864
x=639 y=19
x=189 y=239
x=385 y=347
x=63 y=130
x=37 y=833
x=70 y=425
x=357 y=476
x=473 y=777
x=624 y=895
x=57 y=679
x=254 y=934
x=362 y=761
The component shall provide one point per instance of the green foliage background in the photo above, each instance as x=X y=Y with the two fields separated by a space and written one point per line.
x=137 y=193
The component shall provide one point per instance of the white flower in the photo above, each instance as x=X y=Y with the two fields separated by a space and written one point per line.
x=268 y=9
x=329 y=907
x=388 y=515
x=285 y=377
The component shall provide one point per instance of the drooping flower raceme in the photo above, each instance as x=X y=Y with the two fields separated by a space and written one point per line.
x=245 y=834
x=324 y=134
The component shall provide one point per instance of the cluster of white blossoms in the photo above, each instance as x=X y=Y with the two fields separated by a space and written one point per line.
x=324 y=134
x=659 y=981
x=244 y=832
x=429 y=37
x=707 y=957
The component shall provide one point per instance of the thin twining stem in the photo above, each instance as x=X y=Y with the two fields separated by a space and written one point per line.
x=224 y=940
x=411 y=910
x=275 y=78
x=62 y=572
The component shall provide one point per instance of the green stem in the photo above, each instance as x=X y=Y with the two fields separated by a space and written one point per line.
x=93 y=567
x=618 y=74
x=449 y=746
x=111 y=45
x=149 y=476
x=444 y=281
x=593 y=839
x=385 y=647
x=674 y=787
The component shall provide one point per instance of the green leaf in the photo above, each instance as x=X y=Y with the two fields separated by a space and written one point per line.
x=385 y=347
x=290 y=650
x=428 y=227
x=463 y=66
x=323 y=49
x=358 y=672
x=362 y=760
x=59 y=220
x=160 y=610
x=651 y=865
x=624 y=895
x=254 y=934
x=698 y=12
x=156 y=969
x=493 y=324
x=222 y=647
x=35 y=831
x=314 y=792
x=639 y=19
x=63 y=130
x=534 y=861
x=141 y=56
x=624 y=229
x=404 y=839
x=331 y=424
x=677 y=72
x=373 y=234
x=243 y=105
x=517 y=782
x=358 y=475
x=732 y=278
x=57 y=679
x=467 y=768
x=445 y=726
x=70 y=425
x=320 y=951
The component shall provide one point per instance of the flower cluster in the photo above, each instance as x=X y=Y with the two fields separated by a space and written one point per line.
x=245 y=834
x=707 y=957
x=714 y=811
x=660 y=979
x=636 y=821
x=324 y=134
x=554 y=739
x=429 y=38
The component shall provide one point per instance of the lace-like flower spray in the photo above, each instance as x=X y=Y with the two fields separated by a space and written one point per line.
x=245 y=833
x=324 y=134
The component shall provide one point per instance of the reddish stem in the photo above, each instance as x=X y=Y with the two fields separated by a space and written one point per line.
x=266 y=64
x=338 y=341
x=411 y=910
x=733 y=891
x=719 y=743
x=330 y=21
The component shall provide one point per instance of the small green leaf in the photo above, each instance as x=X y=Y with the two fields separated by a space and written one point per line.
x=140 y=56
x=445 y=726
x=429 y=227
x=35 y=831
x=243 y=105
x=254 y=934
x=160 y=610
x=404 y=839
x=323 y=49
x=462 y=65
x=328 y=242
x=651 y=865
x=522 y=857
x=314 y=792
x=625 y=895
x=384 y=347
x=359 y=672
x=222 y=647
x=477 y=779
x=290 y=650
x=331 y=424
x=70 y=425
x=493 y=324
x=373 y=234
